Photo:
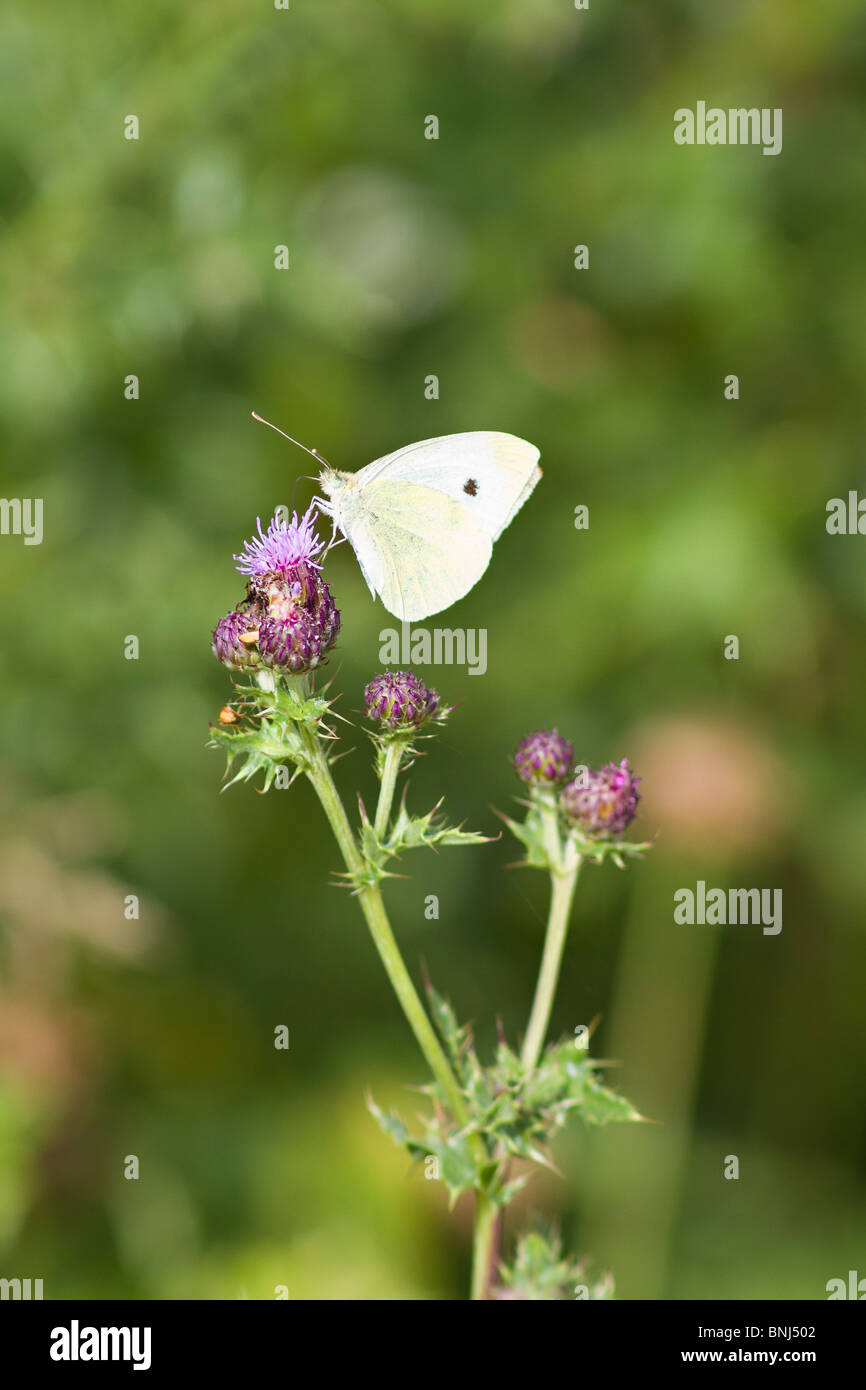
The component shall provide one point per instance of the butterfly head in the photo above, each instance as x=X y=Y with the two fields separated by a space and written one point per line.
x=334 y=485
x=329 y=481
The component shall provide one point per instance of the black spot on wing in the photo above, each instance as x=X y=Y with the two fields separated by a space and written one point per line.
x=471 y=487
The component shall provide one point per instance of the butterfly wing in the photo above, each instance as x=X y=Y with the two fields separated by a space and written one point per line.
x=418 y=549
x=487 y=473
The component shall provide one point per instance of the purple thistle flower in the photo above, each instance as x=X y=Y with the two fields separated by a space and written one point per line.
x=544 y=758
x=277 y=551
x=399 y=700
x=228 y=646
x=301 y=585
x=602 y=804
x=288 y=620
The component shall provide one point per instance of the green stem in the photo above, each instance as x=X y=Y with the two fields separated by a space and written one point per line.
x=390 y=769
x=485 y=1246
x=376 y=917
x=373 y=908
x=565 y=868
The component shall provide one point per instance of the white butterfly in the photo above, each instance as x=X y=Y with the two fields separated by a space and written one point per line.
x=422 y=521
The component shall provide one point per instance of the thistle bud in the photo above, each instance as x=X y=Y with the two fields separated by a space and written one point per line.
x=234 y=640
x=544 y=759
x=602 y=804
x=298 y=642
x=399 y=700
x=301 y=624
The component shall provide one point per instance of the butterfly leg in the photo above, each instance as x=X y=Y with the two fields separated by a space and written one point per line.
x=326 y=507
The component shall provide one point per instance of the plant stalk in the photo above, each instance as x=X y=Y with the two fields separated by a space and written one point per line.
x=373 y=908
x=485 y=1246
x=564 y=868
x=376 y=917
x=393 y=758
x=563 y=881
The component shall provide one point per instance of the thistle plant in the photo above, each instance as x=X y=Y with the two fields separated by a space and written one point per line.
x=483 y=1118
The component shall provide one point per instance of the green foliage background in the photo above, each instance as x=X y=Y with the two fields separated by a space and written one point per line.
x=411 y=257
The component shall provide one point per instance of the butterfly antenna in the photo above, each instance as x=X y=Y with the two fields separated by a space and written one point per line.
x=314 y=453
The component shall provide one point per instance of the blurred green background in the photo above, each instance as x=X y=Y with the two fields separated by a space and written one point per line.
x=412 y=257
